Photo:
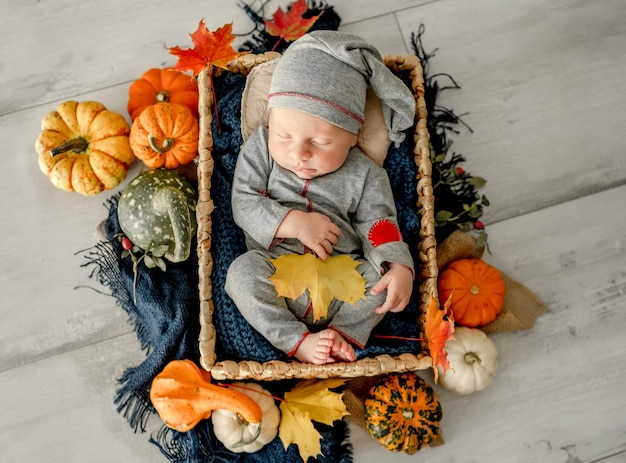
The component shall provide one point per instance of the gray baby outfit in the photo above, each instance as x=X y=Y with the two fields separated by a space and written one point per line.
x=357 y=198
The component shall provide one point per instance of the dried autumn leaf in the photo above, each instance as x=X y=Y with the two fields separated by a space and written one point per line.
x=336 y=278
x=209 y=49
x=438 y=329
x=290 y=26
x=310 y=400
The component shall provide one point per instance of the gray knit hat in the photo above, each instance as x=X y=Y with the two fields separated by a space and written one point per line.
x=327 y=73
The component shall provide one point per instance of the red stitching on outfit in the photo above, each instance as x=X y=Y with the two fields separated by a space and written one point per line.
x=309 y=204
x=293 y=351
x=276 y=242
x=320 y=100
x=305 y=190
x=346 y=337
x=308 y=309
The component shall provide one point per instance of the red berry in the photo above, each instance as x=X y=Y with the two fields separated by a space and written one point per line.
x=478 y=225
x=126 y=244
x=460 y=171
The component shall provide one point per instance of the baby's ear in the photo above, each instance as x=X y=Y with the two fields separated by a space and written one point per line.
x=356 y=140
x=373 y=138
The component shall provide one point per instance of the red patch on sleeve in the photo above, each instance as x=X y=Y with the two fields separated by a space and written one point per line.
x=384 y=231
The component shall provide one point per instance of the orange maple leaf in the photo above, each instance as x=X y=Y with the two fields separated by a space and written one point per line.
x=209 y=49
x=438 y=329
x=290 y=26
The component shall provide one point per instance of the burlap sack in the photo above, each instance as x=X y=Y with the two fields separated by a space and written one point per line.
x=521 y=306
x=357 y=390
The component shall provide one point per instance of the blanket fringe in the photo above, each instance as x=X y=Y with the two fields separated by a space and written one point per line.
x=454 y=188
x=196 y=445
x=441 y=120
x=135 y=406
x=106 y=270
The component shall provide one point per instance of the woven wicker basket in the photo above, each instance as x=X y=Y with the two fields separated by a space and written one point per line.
x=406 y=66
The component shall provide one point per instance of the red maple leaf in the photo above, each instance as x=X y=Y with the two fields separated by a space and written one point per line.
x=290 y=26
x=209 y=49
x=438 y=329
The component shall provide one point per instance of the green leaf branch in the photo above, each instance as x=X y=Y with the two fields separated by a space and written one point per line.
x=456 y=192
x=152 y=257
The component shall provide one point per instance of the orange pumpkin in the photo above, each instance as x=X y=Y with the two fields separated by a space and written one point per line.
x=162 y=85
x=183 y=395
x=476 y=291
x=165 y=135
x=84 y=147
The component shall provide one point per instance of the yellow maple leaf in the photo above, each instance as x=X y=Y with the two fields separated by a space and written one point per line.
x=336 y=278
x=309 y=400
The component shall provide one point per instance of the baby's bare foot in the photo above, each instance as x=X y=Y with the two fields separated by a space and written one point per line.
x=316 y=348
x=342 y=350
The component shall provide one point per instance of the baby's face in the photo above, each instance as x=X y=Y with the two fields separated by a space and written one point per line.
x=307 y=145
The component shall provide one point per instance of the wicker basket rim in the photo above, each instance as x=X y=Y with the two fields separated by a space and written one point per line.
x=277 y=370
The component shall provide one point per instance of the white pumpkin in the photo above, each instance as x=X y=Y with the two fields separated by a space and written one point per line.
x=239 y=436
x=473 y=360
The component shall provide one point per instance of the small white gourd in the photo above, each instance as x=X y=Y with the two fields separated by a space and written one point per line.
x=239 y=436
x=473 y=360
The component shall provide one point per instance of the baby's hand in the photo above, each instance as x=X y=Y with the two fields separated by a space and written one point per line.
x=318 y=233
x=398 y=282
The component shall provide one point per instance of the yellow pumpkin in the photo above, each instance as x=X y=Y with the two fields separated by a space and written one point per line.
x=165 y=135
x=84 y=147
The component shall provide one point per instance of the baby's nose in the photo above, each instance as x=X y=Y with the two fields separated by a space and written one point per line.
x=301 y=151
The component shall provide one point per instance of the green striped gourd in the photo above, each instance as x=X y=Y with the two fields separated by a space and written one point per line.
x=158 y=208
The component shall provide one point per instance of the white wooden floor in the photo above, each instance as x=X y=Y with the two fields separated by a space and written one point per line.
x=544 y=84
